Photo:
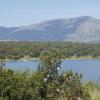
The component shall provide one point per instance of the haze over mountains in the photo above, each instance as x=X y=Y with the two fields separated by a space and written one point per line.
x=78 y=29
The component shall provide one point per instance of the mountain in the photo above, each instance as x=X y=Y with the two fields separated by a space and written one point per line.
x=78 y=29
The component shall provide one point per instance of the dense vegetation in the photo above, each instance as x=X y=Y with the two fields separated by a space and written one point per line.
x=47 y=83
x=17 y=50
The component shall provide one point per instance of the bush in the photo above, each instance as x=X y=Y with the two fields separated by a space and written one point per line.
x=47 y=83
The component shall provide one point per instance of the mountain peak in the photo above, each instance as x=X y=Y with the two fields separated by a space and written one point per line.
x=78 y=29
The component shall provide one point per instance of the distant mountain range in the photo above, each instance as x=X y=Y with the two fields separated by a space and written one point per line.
x=78 y=29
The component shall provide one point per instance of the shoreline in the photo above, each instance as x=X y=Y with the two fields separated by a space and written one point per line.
x=83 y=58
x=37 y=59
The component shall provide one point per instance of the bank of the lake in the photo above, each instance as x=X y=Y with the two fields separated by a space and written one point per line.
x=26 y=58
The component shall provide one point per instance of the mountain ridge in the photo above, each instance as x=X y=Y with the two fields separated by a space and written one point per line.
x=78 y=29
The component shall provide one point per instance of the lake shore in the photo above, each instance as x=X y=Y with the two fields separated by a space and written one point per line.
x=82 y=58
x=67 y=58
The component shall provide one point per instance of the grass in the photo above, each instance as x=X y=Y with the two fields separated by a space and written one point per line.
x=94 y=90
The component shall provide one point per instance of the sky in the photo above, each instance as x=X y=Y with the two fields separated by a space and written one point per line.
x=24 y=12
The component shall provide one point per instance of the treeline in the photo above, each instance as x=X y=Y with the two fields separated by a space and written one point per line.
x=44 y=84
x=17 y=50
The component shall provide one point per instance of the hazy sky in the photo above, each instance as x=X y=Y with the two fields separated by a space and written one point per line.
x=24 y=12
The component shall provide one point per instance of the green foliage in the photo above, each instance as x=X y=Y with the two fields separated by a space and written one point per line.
x=17 y=50
x=47 y=83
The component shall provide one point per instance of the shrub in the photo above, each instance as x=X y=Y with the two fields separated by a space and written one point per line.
x=47 y=83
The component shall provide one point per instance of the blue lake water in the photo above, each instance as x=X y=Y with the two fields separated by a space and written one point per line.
x=89 y=68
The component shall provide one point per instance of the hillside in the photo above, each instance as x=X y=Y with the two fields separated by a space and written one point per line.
x=79 y=29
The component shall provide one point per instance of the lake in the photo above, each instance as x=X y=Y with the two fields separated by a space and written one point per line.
x=89 y=68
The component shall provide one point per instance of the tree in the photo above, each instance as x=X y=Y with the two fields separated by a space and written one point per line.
x=56 y=84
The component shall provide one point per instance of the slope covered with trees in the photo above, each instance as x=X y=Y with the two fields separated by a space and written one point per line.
x=17 y=50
